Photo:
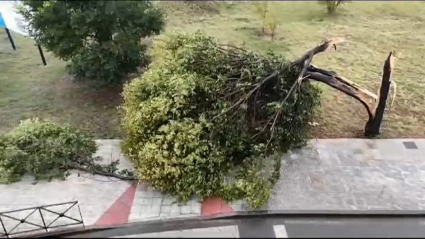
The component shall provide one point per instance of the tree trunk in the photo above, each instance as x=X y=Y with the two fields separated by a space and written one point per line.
x=373 y=125
x=349 y=88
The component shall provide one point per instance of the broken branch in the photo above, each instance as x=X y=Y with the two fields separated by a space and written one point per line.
x=324 y=46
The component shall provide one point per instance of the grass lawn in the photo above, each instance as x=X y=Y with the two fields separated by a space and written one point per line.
x=29 y=89
x=371 y=30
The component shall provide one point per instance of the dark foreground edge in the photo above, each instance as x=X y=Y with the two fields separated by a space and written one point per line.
x=225 y=220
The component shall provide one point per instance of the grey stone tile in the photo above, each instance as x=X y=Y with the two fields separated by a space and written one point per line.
x=157 y=193
x=357 y=151
x=237 y=207
x=145 y=201
x=157 y=201
x=166 y=209
x=185 y=209
x=371 y=145
x=175 y=209
x=195 y=209
x=145 y=194
x=155 y=209
x=166 y=200
x=410 y=145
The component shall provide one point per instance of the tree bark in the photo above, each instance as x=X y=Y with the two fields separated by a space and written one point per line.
x=373 y=125
x=349 y=88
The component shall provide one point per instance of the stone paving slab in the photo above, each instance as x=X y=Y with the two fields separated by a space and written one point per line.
x=351 y=174
x=150 y=204
x=94 y=196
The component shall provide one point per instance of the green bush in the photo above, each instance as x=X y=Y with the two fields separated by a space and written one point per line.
x=42 y=149
x=109 y=65
x=203 y=121
x=102 y=39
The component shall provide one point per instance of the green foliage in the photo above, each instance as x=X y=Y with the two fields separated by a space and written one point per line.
x=42 y=149
x=202 y=120
x=331 y=6
x=101 y=38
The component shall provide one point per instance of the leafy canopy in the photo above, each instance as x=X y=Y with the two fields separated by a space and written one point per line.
x=204 y=121
x=102 y=39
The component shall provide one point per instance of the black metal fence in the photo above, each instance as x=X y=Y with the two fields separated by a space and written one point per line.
x=39 y=227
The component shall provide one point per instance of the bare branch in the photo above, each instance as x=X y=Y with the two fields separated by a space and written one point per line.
x=98 y=172
x=243 y=99
x=343 y=80
x=324 y=46
x=334 y=83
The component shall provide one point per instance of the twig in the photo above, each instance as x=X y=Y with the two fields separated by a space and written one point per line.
x=272 y=128
x=98 y=172
x=248 y=95
x=297 y=82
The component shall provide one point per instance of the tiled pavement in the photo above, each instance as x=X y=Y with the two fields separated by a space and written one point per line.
x=352 y=174
x=102 y=200
x=149 y=204
x=330 y=174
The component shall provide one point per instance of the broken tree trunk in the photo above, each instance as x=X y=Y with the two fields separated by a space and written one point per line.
x=373 y=125
x=349 y=88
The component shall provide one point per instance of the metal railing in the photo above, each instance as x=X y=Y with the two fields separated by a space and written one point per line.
x=22 y=221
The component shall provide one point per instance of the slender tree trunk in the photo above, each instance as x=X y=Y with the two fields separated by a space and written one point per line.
x=373 y=125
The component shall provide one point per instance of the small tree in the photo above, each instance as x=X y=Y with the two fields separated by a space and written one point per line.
x=261 y=9
x=271 y=23
x=331 y=6
x=101 y=39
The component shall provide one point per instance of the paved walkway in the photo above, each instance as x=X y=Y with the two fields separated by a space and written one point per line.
x=353 y=174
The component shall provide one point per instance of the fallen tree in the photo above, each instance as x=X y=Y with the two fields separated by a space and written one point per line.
x=47 y=150
x=206 y=118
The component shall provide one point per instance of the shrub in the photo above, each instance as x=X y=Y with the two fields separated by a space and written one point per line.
x=102 y=39
x=42 y=149
x=331 y=6
x=203 y=121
